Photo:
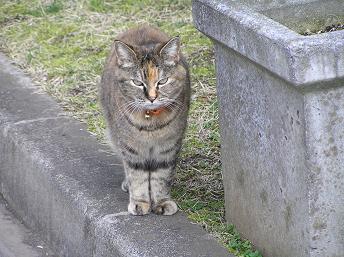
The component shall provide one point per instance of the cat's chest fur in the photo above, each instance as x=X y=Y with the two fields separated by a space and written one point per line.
x=150 y=145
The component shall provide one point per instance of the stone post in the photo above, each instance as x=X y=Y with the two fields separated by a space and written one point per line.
x=281 y=98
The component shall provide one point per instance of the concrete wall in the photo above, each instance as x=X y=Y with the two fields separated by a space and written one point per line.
x=325 y=144
x=263 y=155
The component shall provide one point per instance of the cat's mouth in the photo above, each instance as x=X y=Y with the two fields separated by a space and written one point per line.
x=153 y=106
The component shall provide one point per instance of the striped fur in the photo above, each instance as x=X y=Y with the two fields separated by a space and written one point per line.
x=145 y=94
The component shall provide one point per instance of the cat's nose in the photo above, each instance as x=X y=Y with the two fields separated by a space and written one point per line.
x=152 y=94
x=152 y=98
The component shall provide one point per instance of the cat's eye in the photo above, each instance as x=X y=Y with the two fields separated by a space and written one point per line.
x=137 y=83
x=163 y=81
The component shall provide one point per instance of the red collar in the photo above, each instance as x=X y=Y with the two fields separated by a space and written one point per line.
x=156 y=112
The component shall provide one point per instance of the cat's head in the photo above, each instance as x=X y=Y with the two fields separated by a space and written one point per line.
x=151 y=77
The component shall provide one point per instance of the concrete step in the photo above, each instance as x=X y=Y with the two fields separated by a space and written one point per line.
x=16 y=240
x=59 y=180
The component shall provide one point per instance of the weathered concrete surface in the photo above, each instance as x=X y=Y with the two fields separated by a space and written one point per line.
x=59 y=180
x=16 y=240
x=281 y=101
x=325 y=155
x=309 y=15
x=282 y=51
x=263 y=153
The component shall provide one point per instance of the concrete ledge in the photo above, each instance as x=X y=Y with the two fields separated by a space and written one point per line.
x=62 y=182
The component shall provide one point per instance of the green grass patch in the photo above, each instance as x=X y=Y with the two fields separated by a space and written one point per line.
x=97 y=5
x=49 y=8
x=63 y=45
x=17 y=10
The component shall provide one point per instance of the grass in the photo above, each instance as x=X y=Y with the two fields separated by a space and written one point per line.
x=63 y=45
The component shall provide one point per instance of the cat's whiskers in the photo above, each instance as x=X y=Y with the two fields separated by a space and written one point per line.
x=175 y=105
x=136 y=108
x=127 y=108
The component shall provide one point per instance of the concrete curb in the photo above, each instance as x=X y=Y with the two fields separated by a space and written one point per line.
x=60 y=181
x=16 y=240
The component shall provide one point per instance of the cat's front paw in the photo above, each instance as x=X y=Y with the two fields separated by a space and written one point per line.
x=167 y=207
x=138 y=208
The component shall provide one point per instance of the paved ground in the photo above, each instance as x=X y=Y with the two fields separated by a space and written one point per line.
x=16 y=240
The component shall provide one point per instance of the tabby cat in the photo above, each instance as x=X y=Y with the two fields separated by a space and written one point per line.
x=145 y=95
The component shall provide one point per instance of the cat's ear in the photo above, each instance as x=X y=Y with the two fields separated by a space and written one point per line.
x=170 y=51
x=126 y=57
